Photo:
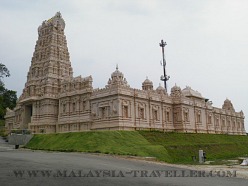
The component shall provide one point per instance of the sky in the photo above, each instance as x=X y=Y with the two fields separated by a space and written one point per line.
x=207 y=42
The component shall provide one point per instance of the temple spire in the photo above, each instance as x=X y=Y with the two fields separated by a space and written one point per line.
x=50 y=64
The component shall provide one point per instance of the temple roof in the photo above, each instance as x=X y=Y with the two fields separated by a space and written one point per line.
x=228 y=105
x=175 y=87
x=57 y=21
x=189 y=92
x=117 y=73
x=147 y=82
x=161 y=89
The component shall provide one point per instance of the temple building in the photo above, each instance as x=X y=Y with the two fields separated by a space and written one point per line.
x=53 y=101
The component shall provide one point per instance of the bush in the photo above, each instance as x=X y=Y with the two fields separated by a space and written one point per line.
x=3 y=133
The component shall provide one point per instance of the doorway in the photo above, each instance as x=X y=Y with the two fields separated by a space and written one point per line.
x=28 y=114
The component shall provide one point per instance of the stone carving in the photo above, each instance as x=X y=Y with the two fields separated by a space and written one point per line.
x=228 y=105
x=186 y=114
x=117 y=79
x=176 y=92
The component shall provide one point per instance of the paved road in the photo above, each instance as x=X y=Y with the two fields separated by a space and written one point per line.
x=18 y=167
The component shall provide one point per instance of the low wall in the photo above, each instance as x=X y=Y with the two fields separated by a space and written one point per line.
x=19 y=139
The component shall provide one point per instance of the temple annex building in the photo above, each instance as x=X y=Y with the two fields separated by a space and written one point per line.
x=54 y=101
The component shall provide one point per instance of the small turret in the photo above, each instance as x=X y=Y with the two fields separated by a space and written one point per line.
x=147 y=84
x=117 y=78
x=161 y=90
x=176 y=92
x=228 y=105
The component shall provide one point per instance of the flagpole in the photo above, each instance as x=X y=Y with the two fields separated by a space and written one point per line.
x=164 y=77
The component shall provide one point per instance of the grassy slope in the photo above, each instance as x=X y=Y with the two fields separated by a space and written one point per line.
x=108 y=142
x=170 y=147
x=182 y=146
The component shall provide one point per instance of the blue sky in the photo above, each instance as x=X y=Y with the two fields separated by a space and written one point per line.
x=207 y=42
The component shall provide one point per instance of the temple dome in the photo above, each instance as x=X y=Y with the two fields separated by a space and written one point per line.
x=228 y=105
x=117 y=78
x=117 y=73
x=176 y=91
x=175 y=88
x=147 y=84
x=161 y=90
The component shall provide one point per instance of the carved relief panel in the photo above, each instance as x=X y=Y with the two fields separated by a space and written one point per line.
x=198 y=116
x=177 y=114
x=217 y=120
x=209 y=117
x=186 y=114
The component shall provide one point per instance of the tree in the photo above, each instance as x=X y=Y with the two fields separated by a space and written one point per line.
x=7 y=97
x=7 y=100
x=4 y=72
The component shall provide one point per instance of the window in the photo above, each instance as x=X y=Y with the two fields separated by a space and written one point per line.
x=228 y=123
x=84 y=105
x=223 y=122
x=209 y=119
x=168 y=116
x=75 y=126
x=176 y=116
x=155 y=114
x=217 y=121
x=198 y=119
x=74 y=107
x=103 y=112
x=186 y=116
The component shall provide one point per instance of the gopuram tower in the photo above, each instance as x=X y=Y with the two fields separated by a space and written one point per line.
x=50 y=66
x=50 y=62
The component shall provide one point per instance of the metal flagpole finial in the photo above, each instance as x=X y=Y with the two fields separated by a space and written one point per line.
x=162 y=44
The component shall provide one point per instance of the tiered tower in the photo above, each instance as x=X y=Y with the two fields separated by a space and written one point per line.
x=37 y=107
x=50 y=62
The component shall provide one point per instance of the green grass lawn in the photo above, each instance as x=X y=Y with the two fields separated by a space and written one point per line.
x=108 y=142
x=169 y=147
x=182 y=146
